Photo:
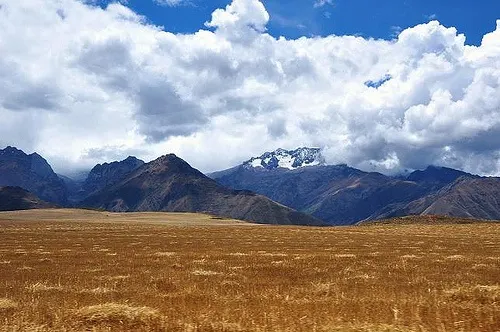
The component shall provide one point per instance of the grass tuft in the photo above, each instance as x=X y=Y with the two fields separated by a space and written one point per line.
x=43 y=287
x=7 y=305
x=117 y=314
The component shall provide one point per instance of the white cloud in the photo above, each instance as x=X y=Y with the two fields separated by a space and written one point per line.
x=173 y=3
x=79 y=83
x=321 y=3
x=240 y=20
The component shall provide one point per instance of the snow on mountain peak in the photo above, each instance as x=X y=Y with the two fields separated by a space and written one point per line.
x=289 y=159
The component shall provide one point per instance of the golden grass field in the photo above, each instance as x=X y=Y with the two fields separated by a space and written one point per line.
x=69 y=270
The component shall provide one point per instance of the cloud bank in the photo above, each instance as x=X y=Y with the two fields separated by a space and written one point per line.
x=81 y=85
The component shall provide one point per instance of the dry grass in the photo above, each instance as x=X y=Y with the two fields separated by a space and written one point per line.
x=67 y=270
x=7 y=305
x=120 y=316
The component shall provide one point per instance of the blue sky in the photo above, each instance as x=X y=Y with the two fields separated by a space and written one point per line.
x=368 y=18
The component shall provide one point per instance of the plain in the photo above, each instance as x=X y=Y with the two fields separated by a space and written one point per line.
x=74 y=270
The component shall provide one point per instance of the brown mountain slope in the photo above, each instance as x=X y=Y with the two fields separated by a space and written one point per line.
x=170 y=184
x=16 y=198
x=467 y=197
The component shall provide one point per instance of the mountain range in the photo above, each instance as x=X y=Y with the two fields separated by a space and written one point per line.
x=165 y=184
x=278 y=187
x=342 y=195
x=170 y=184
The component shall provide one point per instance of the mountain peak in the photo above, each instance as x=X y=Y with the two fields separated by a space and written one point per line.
x=437 y=174
x=131 y=159
x=288 y=159
x=165 y=161
x=171 y=163
x=168 y=157
x=170 y=184
x=12 y=151
x=31 y=172
x=106 y=174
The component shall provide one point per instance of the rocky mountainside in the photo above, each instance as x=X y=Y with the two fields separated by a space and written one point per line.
x=171 y=184
x=33 y=173
x=107 y=174
x=339 y=195
x=430 y=181
x=16 y=198
x=466 y=197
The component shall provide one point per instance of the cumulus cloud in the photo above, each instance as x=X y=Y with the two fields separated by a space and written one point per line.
x=81 y=85
x=241 y=20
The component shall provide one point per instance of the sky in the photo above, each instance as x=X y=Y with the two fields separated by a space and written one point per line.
x=380 y=85
x=297 y=18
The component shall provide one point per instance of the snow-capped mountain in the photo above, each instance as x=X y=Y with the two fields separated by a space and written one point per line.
x=342 y=195
x=289 y=159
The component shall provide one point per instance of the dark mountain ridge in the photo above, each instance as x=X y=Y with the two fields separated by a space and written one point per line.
x=300 y=179
x=103 y=175
x=437 y=175
x=170 y=184
x=341 y=195
x=32 y=173
x=16 y=198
